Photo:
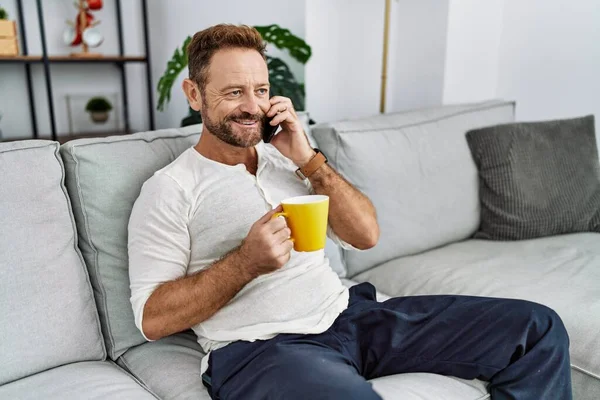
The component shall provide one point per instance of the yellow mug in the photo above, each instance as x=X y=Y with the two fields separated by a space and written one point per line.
x=306 y=217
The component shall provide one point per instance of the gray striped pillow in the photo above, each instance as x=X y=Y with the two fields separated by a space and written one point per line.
x=537 y=178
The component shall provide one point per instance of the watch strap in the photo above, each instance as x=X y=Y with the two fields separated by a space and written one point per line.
x=314 y=164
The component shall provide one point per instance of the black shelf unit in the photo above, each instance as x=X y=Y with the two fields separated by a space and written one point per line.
x=46 y=60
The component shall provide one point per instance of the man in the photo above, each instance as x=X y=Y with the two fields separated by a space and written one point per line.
x=205 y=253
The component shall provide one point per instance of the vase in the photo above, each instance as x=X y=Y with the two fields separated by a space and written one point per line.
x=99 y=117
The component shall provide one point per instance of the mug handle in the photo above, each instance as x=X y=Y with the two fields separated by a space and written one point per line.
x=282 y=214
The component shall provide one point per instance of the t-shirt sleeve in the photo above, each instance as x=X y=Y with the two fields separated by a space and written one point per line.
x=158 y=240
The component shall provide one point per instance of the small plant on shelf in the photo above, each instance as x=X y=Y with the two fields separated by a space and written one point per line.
x=3 y=13
x=99 y=108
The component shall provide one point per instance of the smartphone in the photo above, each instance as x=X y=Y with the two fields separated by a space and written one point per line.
x=268 y=130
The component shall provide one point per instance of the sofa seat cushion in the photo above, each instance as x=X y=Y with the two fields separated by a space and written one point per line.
x=417 y=169
x=85 y=380
x=562 y=272
x=47 y=313
x=170 y=367
x=104 y=177
x=421 y=386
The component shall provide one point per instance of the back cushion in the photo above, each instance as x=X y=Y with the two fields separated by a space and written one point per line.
x=332 y=251
x=47 y=313
x=417 y=169
x=104 y=178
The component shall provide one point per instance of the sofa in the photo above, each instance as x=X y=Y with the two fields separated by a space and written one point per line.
x=67 y=328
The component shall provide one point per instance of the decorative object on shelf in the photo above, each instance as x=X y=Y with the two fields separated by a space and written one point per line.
x=9 y=46
x=99 y=108
x=282 y=80
x=84 y=32
x=94 y=113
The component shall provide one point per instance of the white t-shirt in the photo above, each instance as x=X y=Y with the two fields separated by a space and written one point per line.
x=193 y=212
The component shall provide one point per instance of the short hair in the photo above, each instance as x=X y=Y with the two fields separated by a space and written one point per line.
x=207 y=42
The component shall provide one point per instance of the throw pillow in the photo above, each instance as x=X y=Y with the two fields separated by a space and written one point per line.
x=537 y=179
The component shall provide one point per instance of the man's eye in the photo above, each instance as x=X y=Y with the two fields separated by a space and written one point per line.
x=236 y=93
x=262 y=91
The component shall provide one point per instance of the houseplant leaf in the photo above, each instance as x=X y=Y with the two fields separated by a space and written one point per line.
x=284 y=39
x=175 y=65
x=283 y=82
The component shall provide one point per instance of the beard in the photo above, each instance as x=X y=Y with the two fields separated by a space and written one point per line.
x=225 y=130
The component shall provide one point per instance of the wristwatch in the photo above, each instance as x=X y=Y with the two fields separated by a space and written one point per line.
x=314 y=164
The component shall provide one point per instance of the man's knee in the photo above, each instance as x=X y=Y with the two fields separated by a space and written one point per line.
x=542 y=319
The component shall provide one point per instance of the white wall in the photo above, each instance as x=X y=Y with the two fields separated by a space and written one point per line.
x=343 y=79
x=417 y=53
x=473 y=50
x=544 y=54
x=550 y=58
x=169 y=24
x=343 y=75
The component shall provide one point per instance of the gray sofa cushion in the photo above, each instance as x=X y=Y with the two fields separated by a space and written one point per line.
x=47 y=314
x=417 y=169
x=85 y=380
x=422 y=386
x=104 y=177
x=332 y=251
x=537 y=178
x=170 y=367
x=562 y=272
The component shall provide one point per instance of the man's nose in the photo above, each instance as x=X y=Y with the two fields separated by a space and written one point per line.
x=250 y=104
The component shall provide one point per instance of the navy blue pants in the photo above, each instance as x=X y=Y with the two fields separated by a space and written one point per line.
x=520 y=347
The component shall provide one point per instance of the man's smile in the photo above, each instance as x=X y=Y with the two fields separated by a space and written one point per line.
x=246 y=123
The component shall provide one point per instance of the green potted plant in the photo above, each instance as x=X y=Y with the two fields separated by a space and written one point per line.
x=3 y=14
x=99 y=108
x=283 y=82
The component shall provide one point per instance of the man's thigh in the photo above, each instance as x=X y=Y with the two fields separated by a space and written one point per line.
x=295 y=369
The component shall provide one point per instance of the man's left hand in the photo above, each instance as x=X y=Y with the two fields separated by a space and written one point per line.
x=291 y=141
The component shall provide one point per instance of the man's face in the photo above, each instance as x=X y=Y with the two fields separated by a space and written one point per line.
x=236 y=97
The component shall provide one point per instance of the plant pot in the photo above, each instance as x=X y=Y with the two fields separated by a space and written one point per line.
x=99 y=117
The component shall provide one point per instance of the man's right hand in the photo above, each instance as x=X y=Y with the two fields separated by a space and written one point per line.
x=267 y=247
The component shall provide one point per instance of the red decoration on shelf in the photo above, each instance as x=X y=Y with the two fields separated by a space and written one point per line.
x=94 y=4
x=83 y=31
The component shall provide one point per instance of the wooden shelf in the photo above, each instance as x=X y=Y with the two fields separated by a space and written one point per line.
x=21 y=59
x=97 y=59
x=70 y=59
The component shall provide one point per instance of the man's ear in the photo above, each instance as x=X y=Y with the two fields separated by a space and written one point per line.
x=192 y=92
